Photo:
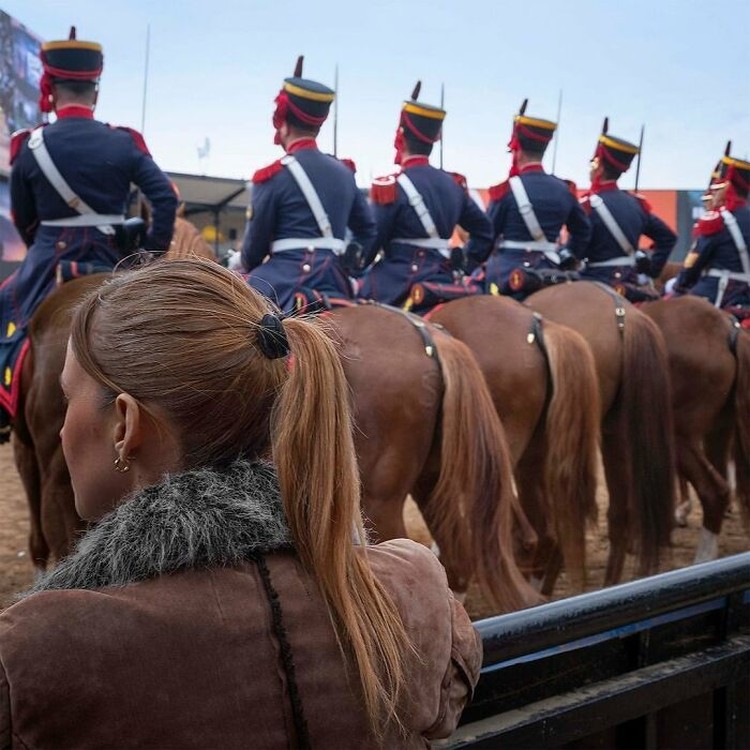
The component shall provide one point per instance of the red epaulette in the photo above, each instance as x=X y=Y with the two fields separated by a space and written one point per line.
x=136 y=136
x=572 y=187
x=384 y=190
x=266 y=173
x=711 y=223
x=349 y=163
x=459 y=179
x=645 y=205
x=498 y=192
x=585 y=202
x=17 y=140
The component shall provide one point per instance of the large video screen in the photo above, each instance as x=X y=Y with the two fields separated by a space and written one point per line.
x=20 y=71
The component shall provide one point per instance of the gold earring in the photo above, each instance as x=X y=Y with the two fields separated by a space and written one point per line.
x=122 y=465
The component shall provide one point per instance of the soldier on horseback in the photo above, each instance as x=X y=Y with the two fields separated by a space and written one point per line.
x=70 y=184
x=302 y=205
x=417 y=209
x=618 y=218
x=718 y=266
x=528 y=211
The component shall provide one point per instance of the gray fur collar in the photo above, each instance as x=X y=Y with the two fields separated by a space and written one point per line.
x=197 y=519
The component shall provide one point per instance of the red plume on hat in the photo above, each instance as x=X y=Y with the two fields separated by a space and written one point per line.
x=736 y=174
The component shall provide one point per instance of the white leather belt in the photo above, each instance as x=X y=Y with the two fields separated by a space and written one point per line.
x=539 y=245
x=429 y=243
x=724 y=275
x=620 y=260
x=309 y=243
x=85 y=220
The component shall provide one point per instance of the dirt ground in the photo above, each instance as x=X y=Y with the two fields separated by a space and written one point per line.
x=16 y=572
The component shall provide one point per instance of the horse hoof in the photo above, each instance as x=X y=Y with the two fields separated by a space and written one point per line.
x=708 y=547
x=681 y=514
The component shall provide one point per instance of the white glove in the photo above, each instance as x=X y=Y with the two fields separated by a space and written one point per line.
x=234 y=261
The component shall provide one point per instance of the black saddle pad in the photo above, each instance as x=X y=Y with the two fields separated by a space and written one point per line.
x=635 y=293
x=528 y=280
x=428 y=294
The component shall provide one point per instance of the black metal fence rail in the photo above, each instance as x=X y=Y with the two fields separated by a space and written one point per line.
x=662 y=662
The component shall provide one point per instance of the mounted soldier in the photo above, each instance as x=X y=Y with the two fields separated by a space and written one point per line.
x=718 y=266
x=69 y=186
x=302 y=205
x=528 y=212
x=618 y=219
x=417 y=210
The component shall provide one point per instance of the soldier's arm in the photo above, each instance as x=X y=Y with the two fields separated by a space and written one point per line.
x=497 y=210
x=477 y=224
x=22 y=205
x=701 y=257
x=664 y=241
x=157 y=189
x=384 y=201
x=579 y=229
x=259 y=233
x=362 y=224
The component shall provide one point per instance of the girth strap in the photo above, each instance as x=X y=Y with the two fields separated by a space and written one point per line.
x=619 y=301
x=422 y=328
x=536 y=336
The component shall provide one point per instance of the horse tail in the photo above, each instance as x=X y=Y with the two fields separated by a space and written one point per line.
x=572 y=442
x=473 y=501
x=742 y=426
x=648 y=439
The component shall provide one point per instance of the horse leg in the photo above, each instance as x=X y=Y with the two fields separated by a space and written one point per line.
x=384 y=491
x=617 y=473
x=713 y=492
x=543 y=566
x=60 y=523
x=28 y=470
x=717 y=446
x=682 y=511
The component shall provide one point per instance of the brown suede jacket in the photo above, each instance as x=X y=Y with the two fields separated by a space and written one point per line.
x=184 y=620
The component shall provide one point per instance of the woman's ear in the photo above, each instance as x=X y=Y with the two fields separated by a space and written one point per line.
x=128 y=427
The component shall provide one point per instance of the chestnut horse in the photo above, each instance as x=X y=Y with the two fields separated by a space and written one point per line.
x=637 y=440
x=543 y=383
x=709 y=363
x=425 y=425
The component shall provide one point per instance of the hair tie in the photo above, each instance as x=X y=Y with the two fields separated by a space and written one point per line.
x=272 y=338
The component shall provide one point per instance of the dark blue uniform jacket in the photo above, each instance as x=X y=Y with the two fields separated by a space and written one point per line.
x=635 y=218
x=446 y=197
x=99 y=163
x=280 y=211
x=716 y=249
x=555 y=206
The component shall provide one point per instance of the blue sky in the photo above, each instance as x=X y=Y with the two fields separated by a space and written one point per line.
x=682 y=67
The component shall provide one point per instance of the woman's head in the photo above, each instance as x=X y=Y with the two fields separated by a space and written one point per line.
x=189 y=353
x=183 y=337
